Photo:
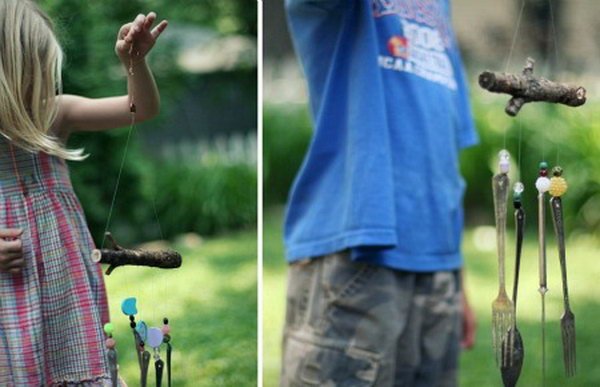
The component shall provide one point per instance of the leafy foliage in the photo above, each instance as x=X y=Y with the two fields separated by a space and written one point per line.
x=286 y=135
x=87 y=31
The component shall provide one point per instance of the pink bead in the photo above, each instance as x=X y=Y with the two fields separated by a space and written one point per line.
x=166 y=329
x=110 y=343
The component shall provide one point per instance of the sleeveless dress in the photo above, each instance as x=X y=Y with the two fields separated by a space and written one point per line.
x=51 y=314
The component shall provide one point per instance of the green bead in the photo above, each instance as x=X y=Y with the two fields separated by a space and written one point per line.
x=108 y=328
x=516 y=195
x=543 y=165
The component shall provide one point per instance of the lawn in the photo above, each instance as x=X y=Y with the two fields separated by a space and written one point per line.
x=478 y=366
x=211 y=304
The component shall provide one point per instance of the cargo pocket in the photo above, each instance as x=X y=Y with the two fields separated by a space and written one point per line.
x=343 y=278
x=326 y=363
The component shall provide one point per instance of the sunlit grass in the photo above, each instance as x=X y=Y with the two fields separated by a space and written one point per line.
x=478 y=366
x=211 y=304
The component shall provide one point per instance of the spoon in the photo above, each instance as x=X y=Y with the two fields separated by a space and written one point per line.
x=511 y=369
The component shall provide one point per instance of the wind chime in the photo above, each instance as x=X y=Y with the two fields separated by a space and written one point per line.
x=507 y=340
x=143 y=336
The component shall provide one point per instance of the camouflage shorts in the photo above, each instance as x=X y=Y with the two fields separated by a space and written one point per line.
x=355 y=324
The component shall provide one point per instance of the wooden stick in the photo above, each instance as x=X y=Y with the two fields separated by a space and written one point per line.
x=118 y=256
x=526 y=88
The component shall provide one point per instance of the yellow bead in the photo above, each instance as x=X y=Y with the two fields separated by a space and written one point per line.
x=558 y=186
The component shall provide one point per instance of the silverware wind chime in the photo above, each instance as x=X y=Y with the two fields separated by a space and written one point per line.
x=116 y=256
x=507 y=341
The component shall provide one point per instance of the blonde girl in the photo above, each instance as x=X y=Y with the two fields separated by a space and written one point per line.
x=52 y=296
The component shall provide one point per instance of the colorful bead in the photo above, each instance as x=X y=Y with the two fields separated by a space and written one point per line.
x=166 y=321
x=166 y=329
x=519 y=187
x=109 y=328
x=128 y=306
x=517 y=203
x=557 y=171
x=516 y=196
x=504 y=164
x=542 y=184
x=155 y=337
x=110 y=343
x=543 y=173
x=142 y=330
x=558 y=186
x=543 y=165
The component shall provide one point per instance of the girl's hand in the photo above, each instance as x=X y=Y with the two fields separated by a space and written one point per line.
x=136 y=39
x=11 y=251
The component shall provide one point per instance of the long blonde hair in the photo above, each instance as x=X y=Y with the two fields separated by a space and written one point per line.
x=30 y=79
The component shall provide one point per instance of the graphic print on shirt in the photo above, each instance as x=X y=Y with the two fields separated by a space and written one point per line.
x=420 y=39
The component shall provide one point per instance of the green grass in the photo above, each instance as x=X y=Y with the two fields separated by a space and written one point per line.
x=477 y=366
x=211 y=305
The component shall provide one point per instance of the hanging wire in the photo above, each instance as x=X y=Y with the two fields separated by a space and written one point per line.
x=520 y=146
x=556 y=63
x=116 y=190
x=510 y=53
x=515 y=36
x=132 y=110
x=554 y=36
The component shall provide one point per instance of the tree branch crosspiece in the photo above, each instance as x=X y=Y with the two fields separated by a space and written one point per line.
x=118 y=256
x=526 y=88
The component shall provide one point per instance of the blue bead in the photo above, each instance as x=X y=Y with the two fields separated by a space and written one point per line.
x=142 y=330
x=128 y=306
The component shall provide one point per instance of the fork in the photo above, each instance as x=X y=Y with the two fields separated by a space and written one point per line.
x=502 y=307
x=567 y=320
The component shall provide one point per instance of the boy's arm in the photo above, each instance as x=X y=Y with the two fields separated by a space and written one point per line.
x=85 y=114
x=469 y=322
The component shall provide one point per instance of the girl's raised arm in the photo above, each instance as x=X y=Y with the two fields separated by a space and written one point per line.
x=134 y=41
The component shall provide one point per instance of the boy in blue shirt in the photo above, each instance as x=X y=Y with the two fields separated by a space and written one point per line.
x=374 y=219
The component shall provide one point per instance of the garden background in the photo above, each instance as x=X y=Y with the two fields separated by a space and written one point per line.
x=189 y=179
x=566 y=50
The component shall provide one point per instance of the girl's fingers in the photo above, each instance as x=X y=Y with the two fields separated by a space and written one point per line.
x=16 y=264
x=125 y=28
x=150 y=19
x=9 y=257
x=10 y=232
x=159 y=29
x=139 y=22
x=12 y=247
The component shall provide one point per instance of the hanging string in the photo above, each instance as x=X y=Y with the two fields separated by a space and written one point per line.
x=132 y=110
x=510 y=53
x=554 y=37
x=554 y=34
x=520 y=146
x=556 y=61
x=515 y=35
x=116 y=190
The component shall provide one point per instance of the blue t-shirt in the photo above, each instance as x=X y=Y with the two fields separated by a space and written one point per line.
x=391 y=113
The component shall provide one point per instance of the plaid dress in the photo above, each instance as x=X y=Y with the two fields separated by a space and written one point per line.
x=51 y=315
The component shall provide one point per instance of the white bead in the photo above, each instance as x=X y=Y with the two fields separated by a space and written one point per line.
x=519 y=187
x=504 y=164
x=542 y=184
